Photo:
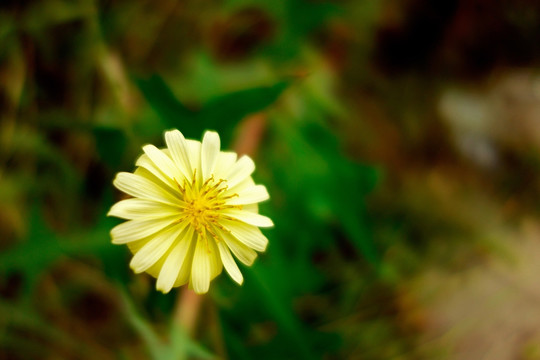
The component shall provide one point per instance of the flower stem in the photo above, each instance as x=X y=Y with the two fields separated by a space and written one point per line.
x=187 y=309
x=188 y=303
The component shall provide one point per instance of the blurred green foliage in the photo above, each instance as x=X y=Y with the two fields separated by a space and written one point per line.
x=85 y=87
x=84 y=84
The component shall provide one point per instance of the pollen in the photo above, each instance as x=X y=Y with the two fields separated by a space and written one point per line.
x=202 y=204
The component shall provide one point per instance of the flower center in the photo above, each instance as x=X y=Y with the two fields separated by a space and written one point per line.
x=197 y=210
x=203 y=203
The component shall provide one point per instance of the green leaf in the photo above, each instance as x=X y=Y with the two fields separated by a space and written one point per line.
x=171 y=111
x=221 y=113
x=224 y=112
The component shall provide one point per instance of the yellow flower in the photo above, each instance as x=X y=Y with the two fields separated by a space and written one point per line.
x=193 y=205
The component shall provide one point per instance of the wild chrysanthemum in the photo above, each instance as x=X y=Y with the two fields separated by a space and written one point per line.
x=193 y=205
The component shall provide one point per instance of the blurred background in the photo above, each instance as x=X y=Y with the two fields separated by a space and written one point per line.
x=399 y=140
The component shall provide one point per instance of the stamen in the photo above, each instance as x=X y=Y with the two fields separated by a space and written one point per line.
x=212 y=233
x=223 y=207
x=223 y=228
x=231 y=196
x=225 y=188
x=211 y=178
x=227 y=217
x=199 y=231
x=182 y=190
x=221 y=181
x=202 y=206
x=180 y=219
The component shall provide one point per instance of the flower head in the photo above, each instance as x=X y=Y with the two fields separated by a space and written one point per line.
x=192 y=206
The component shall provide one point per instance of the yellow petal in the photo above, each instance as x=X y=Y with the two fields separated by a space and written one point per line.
x=251 y=207
x=240 y=171
x=185 y=271
x=194 y=152
x=229 y=263
x=200 y=269
x=242 y=252
x=174 y=262
x=250 y=195
x=209 y=153
x=134 y=230
x=138 y=186
x=224 y=164
x=178 y=147
x=152 y=251
x=216 y=266
x=142 y=209
x=247 y=234
x=145 y=162
x=163 y=162
x=249 y=217
x=147 y=169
